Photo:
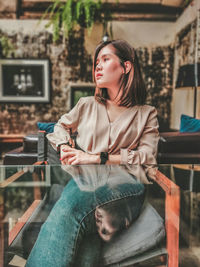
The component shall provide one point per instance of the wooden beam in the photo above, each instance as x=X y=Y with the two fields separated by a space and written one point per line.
x=144 y=17
x=116 y=17
x=124 y=10
x=37 y=6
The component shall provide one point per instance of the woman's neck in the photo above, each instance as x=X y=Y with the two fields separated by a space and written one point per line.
x=114 y=96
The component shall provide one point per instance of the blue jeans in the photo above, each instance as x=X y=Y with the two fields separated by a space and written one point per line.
x=69 y=236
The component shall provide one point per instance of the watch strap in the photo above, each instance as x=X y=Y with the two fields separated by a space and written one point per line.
x=103 y=157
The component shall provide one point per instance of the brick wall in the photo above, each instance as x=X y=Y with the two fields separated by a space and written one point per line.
x=70 y=62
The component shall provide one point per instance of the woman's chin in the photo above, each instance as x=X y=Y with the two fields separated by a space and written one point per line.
x=100 y=85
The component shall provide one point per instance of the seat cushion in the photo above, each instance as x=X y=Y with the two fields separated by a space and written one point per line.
x=145 y=233
x=189 y=124
x=48 y=127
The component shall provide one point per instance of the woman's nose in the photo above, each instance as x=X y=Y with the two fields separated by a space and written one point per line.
x=98 y=66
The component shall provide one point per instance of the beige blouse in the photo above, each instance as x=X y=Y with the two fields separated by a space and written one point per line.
x=133 y=134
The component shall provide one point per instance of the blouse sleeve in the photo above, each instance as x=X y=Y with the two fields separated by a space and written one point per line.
x=67 y=121
x=146 y=150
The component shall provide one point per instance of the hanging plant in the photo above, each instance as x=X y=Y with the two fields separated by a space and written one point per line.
x=6 y=47
x=65 y=16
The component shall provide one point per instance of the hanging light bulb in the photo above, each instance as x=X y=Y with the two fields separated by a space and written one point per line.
x=106 y=37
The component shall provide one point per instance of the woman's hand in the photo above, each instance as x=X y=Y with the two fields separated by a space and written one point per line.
x=74 y=156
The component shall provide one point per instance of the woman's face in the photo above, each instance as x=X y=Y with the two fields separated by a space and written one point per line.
x=108 y=70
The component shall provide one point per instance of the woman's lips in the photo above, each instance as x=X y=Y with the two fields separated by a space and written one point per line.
x=99 y=75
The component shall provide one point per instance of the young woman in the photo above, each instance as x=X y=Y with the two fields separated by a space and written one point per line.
x=114 y=127
x=116 y=120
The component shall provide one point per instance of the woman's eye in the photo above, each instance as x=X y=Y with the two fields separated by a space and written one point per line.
x=106 y=59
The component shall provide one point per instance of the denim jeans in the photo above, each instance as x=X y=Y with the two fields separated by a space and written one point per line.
x=69 y=236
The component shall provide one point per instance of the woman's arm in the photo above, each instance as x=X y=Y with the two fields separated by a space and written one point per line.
x=74 y=156
x=146 y=151
x=114 y=159
x=68 y=122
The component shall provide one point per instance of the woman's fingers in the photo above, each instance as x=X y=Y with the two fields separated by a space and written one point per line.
x=72 y=160
x=74 y=157
x=68 y=148
x=64 y=162
x=68 y=154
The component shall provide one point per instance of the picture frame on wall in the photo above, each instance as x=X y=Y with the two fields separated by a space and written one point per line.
x=25 y=80
x=79 y=90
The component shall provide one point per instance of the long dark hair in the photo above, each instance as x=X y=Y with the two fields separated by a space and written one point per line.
x=132 y=83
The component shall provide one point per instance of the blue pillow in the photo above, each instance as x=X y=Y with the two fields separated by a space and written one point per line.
x=46 y=126
x=189 y=124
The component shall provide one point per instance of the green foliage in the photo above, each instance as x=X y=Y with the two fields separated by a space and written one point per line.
x=186 y=3
x=64 y=16
x=6 y=46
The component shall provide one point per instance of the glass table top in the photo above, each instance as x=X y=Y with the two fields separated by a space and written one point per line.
x=22 y=185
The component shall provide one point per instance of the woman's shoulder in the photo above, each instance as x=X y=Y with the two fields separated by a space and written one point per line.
x=146 y=108
x=85 y=102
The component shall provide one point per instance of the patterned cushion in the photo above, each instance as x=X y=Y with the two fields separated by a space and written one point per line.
x=189 y=124
x=48 y=127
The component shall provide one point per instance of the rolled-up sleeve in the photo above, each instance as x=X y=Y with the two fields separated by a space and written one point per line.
x=67 y=121
x=146 y=151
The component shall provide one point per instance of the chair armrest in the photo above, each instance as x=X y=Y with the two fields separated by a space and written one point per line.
x=21 y=222
x=16 y=176
x=172 y=216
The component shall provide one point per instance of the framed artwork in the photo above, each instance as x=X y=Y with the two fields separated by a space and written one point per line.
x=24 y=80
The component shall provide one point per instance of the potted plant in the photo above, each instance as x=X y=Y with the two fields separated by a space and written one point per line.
x=6 y=47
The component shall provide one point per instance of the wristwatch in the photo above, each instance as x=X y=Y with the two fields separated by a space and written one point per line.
x=103 y=157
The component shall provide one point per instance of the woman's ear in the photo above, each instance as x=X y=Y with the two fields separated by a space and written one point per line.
x=128 y=66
